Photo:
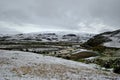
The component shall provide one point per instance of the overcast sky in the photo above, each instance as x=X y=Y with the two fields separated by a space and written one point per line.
x=91 y=16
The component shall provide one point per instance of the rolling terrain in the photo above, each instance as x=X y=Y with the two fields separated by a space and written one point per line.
x=16 y=65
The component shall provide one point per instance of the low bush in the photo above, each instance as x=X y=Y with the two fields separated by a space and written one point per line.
x=116 y=69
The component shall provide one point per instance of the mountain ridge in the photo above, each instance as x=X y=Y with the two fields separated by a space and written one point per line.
x=48 y=37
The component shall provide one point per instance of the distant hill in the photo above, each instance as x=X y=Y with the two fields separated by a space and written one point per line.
x=47 y=37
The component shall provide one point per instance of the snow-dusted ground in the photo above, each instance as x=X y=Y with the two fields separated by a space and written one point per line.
x=80 y=50
x=43 y=49
x=115 y=39
x=114 y=43
x=16 y=65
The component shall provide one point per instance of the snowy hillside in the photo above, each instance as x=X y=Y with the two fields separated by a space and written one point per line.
x=15 y=65
x=107 y=39
x=115 y=39
x=48 y=37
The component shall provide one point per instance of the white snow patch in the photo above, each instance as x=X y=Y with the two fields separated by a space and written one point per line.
x=114 y=43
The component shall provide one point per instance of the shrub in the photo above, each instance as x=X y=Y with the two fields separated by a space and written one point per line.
x=116 y=69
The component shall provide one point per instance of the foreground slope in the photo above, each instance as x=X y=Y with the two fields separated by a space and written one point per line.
x=16 y=65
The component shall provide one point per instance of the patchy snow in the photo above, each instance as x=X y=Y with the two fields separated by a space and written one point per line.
x=115 y=39
x=47 y=37
x=43 y=49
x=114 y=43
x=91 y=58
x=16 y=65
x=81 y=50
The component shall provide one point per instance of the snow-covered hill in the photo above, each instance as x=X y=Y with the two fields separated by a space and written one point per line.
x=115 y=39
x=107 y=39
x=48 y=37
x=16 y=65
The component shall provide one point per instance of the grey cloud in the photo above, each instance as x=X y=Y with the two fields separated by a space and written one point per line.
x=4 y=30
x=64 y=14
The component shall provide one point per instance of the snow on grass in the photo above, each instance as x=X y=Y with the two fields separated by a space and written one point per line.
x=16 y=65
x=113 y=44
x=115 y=41
x=79 y=50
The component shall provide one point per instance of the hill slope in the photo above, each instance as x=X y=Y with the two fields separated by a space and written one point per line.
x=16 y=65
x=107 y=39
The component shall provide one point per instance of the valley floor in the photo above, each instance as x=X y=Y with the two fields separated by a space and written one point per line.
x=16 y=65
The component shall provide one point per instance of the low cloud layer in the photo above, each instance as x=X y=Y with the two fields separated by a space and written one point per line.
x=92 y=16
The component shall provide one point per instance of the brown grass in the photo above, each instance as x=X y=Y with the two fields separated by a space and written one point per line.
x=47 y=70
x=82 y=55
x=56 y=71
x=4 y=61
